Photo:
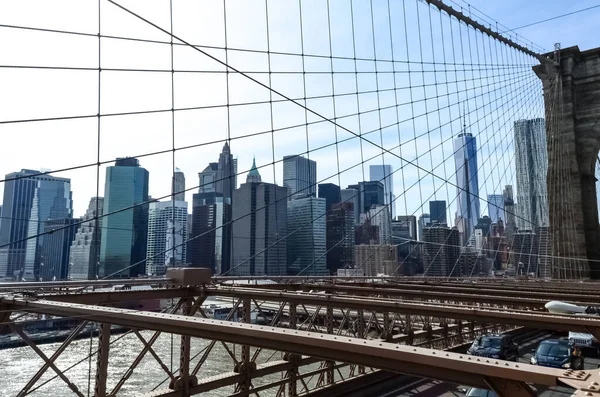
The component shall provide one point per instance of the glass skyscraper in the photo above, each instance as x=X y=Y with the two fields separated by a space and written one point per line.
x=299 y=175
x=531 y=158
x=496 y=207
x=167 y=223
x=383 y=173
x=465 y=157
x=307 y=239
x=437 y=211
x=124 y=234
x=19 y=192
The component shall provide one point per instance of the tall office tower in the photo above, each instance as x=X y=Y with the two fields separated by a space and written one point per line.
x=259 y=227
x=404 y=229
x=525 y=252
x=465 y=158
x=208 y=178
x=226 y=173
x=531 y=158
x=377 y=260
x=52 y=199
x=441 y=250
x=340 y=237
x=424 y=220
x=84 y=255
x=437 y=212
x=19 y=189
x=56 y=248
x=188 y=244
x=299 y=175
x=178 y=188
x=331 y=193
x=379 y=216
x=510 y=223
x=384 y=174
x=307 y=237
x=167 y=228
x=124 y=234
x=496 y=207
x=351 y=196
x=543 y=243
x=369 y=193
x=210 y=240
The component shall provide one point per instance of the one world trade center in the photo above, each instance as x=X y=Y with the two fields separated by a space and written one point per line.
x=465 y=157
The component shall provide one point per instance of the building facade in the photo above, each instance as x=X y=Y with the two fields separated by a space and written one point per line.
x=52 y=199
x=299 y=175
x=56 y=249
x=437 y=212
x=340 y=237
x=178 y=188
x=369 y=193
x=376 y=260
x=424 y=220
x=259 y=228
x=384 y=174
x=331 y=193
x=531 y=160
x=510 y=223
x=124 y=233
x=351 y=196
x=441 y=251
x=404 y=228
x=306 y=243
x=167 y=230
x=379 y=216
x=465 y=158
x=210 y=239
x=84 y=255
x=496 y=207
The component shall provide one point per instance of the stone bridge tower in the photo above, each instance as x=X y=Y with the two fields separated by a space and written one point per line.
x=572 y=101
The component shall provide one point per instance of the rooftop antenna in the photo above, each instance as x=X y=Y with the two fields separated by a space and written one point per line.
x=464 y=119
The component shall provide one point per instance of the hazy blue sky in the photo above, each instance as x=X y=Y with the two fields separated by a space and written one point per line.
x=494 y=85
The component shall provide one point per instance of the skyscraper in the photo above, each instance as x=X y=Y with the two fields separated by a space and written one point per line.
x=384 y=174
x=379 y=216
x=441 y=251
x=531 y=158
x=510 y=223
x=331 y=193
x=124 y=234
x=465 y=157
x=56 y=248
x=167 y=222
x=424 y=220
x=178 y=185
x=85 y=248
x=306 y=242
x=208 y=178
x=437 y=211
x=340 y=237
x=369 y=193
x=259 y=227
x=299 y=175
x=496 y=207
x=226 y=178
x=351 y=195
x=52 y=199
x=404 y=228
x=210 y=239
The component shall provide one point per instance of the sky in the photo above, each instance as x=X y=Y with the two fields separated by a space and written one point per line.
x=444 y=75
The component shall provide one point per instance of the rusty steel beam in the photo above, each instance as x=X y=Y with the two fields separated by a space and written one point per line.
x=446 y=366
x=110 y=297
x=40 y=285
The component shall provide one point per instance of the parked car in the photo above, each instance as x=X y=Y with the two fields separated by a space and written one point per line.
x=474 y=392
x=502 y=347
x=558 y=354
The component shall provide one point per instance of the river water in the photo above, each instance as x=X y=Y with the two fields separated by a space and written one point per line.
x=18 y=365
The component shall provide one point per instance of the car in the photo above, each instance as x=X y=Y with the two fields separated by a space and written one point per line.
x=474 y=392
x=502 y=347
x=558 y=353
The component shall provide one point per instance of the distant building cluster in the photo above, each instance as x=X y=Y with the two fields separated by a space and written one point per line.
x=261 y=229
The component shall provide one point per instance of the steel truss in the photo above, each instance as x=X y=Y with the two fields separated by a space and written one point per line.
x=315 y=340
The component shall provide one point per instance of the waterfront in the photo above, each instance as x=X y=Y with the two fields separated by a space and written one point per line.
x=19 y=364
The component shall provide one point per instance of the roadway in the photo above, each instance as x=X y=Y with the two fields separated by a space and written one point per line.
x=433 y=388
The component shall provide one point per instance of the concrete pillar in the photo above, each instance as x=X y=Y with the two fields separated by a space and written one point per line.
x=572 y=101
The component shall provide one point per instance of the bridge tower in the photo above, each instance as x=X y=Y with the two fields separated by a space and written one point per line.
x=572 y=101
